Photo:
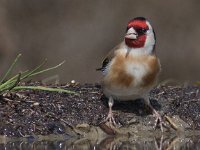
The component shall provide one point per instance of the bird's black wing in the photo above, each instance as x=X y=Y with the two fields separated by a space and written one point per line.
x=104 y=64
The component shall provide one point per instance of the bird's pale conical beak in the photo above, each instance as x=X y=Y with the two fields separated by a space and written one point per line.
x=131 y=34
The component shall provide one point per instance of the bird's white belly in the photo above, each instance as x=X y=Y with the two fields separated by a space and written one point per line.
x=125 y=93
x=125 y=77
x=134 y=90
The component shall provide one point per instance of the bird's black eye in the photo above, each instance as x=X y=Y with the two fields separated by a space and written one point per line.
x=141 y=31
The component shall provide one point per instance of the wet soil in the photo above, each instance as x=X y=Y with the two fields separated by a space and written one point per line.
x=29 y=113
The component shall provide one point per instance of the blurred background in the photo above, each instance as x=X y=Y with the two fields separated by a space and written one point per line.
x=83 y=31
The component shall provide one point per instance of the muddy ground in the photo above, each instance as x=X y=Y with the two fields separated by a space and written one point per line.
x=29 y=113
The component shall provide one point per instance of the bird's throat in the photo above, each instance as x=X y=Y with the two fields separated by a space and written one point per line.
x=136 y=43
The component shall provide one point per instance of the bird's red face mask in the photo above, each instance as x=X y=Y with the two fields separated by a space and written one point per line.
x=136 y=33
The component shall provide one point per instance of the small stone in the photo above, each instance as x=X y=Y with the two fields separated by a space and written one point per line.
x=132 y=121
x=84 y=127
x=73 y=82
x=36 y=104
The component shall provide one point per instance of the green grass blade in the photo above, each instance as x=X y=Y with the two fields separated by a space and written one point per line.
x=197 y=83
x=11 y=81
x=29 y=74
x=15 y=83
x=42 y=88
x=48 y=69
x=10 y=85
x=10 y=68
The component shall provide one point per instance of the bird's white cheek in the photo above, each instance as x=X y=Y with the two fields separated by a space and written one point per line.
x=150 y=40
x=148 y=32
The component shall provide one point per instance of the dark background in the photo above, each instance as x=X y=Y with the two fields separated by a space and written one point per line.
x=83 y=31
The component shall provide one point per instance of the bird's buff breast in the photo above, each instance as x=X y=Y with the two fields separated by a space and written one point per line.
x=130 y=76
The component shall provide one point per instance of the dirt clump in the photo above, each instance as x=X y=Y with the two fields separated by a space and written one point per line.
x=33 y=112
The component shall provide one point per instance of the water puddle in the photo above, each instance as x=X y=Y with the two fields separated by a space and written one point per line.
x=108 y=143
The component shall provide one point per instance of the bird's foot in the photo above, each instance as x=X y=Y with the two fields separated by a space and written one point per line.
x=110 y=119
x=158 y=120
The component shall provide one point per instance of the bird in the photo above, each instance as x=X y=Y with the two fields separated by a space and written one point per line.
x=131 y=69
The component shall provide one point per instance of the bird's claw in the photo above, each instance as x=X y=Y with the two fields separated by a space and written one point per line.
x=111 y=120
x=159 y=120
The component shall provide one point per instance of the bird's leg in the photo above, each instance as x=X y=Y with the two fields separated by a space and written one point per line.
x=156 y=114
x=161 y=143
x=110 y=116
x=158 y=118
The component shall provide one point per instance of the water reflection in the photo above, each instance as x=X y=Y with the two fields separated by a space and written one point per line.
x=109 y=143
